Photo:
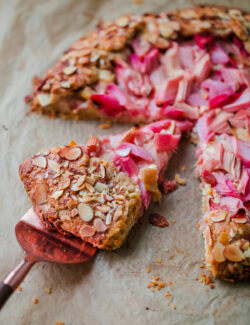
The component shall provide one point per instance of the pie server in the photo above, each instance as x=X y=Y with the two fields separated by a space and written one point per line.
x=40 y=244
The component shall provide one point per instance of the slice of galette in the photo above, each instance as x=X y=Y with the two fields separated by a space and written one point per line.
x=150 y=67
x=99 y=190
x=224 y=167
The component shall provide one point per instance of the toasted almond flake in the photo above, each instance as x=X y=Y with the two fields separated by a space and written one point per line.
x=233 y=253
x=65 y=84
x=99 y=225
x=87 y=231
x=108 y=219
x=53 y=165
x=218 y=253
x=40 y=194
x=103 y=171
x=64 y=215
x=65 y=183
x=90 y=188
x=40 y=161
x=85 y=212
x=245 y=246
x=44 y=99
x=100 y=215
x=100 y=187
x=72 y=203
x=79 y=183
x=122 y=21
x=219 y=216
x=70 y=153
x=208 y=237
x=103 y=208
x=56 y=195
x=69 y=70
x=239 y=220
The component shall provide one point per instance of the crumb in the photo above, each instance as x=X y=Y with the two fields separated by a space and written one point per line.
x=178 y=268
x=166 y=249
x=156 y=283
x=159 y=260
x=138 y=2
x=72 y=143
x=48 y=290
x=179 y=180
x=167 y=303
x=202 y=266
x=173 y=222
x=170 y=283
x=35 y=301
x=206 y=279
x=173 y=307
x=152 y=289
x=4 y=127
x=196 y=279
x=182 y=168
x=148 y=270
x=59 y=323
x=211 y=285
x=19 y=288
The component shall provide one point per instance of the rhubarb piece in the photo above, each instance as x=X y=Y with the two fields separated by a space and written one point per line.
x=98 y=191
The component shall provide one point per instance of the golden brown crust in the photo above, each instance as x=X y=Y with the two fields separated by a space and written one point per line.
x=65 y=89
x=82 y=196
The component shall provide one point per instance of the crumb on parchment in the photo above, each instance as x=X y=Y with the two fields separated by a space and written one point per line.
x=179 y=180
x=35 y=301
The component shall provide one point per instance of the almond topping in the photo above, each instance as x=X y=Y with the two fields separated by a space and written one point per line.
x=87 y=231
x=40 y=194
x=122 y=21
x=69 y=70
x=208 y=237
x=219 y=216
x=70 y=153
x=44 y=99
x=53 y=165
x=218 y=253
x=65 y=183
x=239 y=220
x=65 y=84
x=117 y=215
x=85 y=212
x=100 y=215
x=108 y=219
x=56 y=195
x=40 y=161
x=100 y=187
x=233 y=253
x=99 y=225
x=78 y=185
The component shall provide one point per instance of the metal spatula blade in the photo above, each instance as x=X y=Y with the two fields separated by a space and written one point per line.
x=40 y=244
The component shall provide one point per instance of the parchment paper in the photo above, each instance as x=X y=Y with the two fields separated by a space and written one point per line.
x=111 y=288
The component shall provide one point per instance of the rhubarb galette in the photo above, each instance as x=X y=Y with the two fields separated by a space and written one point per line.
x=189 y=66
x=99 y=190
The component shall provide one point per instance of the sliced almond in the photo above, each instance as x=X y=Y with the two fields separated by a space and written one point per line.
x=122 y=21
x=70 y=153
x=100 y=187
x=233 y=253
x=71 y=204
x=108 y=219
x=78 y=185
x=218 y=253
x=239 y=220
x=117 y=215
x=99 y=225
x=87 y=231
x=65 y=84
x=40 y=161
x=56 y=195
x=53 y=165
x=208 y=236
x=100 y=215
x=65 y=183
x=103 y=208
x=219 y=216
x=69 y=70
x=85 y=212
x=64 y=215
x=103 y=171
x=44 y=99
x=40 y=194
